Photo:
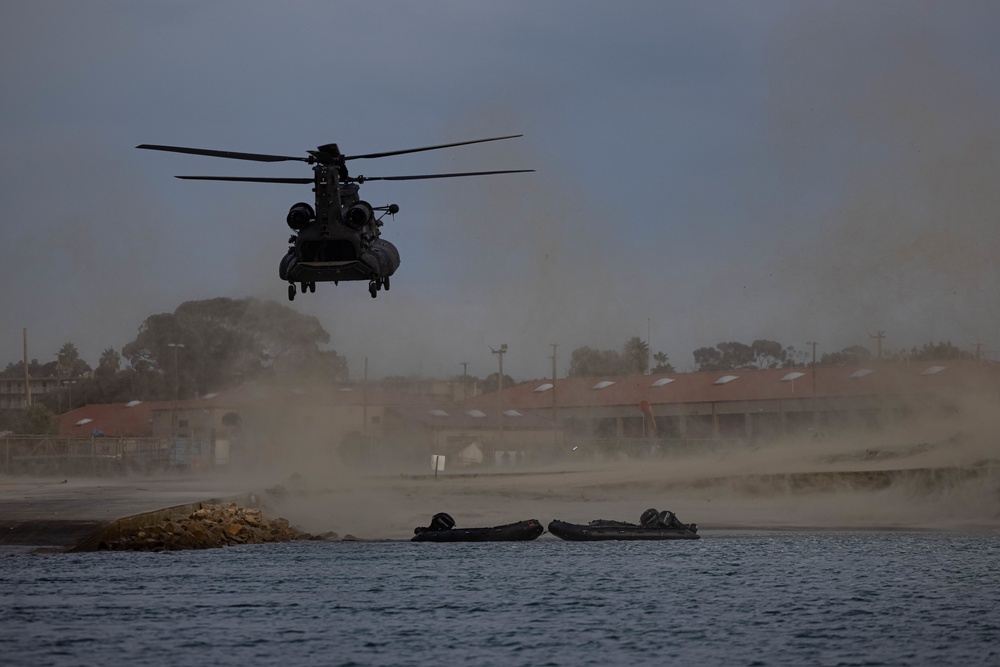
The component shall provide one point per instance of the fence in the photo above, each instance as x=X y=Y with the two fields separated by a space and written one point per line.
x=99 y=457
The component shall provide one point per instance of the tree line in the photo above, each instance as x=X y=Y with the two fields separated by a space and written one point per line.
x=202 y=347
x=214 y=344
x=733 y=355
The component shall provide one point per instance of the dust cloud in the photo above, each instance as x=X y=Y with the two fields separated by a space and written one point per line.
x=932 y=473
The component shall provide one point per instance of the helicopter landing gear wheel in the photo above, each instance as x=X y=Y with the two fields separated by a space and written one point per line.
x=373 y=289
x=385 y=282
x=312 y=288
x=291 y=291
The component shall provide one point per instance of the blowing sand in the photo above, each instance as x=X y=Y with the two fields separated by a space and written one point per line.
x=948 y=483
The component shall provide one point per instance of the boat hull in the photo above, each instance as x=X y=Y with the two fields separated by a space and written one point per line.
x=522 y=531
x=616 y=530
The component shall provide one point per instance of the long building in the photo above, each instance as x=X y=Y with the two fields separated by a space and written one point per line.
x=751 y=405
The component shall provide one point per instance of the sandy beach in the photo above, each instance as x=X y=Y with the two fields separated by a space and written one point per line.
x=949 y=481
x=881 y=483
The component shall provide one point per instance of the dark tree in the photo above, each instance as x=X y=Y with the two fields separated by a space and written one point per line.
x=855 y=355
x=940 y=352
x=732 y=355
x=492 y=383
x=586 y=361
x=109 y=365
x=663 y=364
x=68 y=362
x=635 y=356
x=15 y=369
x=708 y=359
x=221 y=342
x=767 y=353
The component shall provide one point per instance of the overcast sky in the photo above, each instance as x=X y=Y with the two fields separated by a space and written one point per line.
x=706 y=171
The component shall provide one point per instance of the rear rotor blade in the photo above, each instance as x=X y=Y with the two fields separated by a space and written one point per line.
x=256 y=157
x=362 y=179
x=248 y=179
x=427 y=148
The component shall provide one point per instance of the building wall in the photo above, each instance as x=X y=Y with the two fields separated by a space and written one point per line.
x=12 y=391
x=752 y=420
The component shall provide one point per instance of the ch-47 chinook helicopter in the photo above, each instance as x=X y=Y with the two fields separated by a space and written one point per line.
x=339 y=239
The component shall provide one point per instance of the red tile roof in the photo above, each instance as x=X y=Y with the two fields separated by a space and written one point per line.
x=707 y=387
x=113 y=420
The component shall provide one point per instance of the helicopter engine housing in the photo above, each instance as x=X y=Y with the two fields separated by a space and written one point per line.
x=300 y=215
x=358 y=215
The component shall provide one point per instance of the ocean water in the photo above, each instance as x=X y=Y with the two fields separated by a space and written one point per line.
x=776 y=598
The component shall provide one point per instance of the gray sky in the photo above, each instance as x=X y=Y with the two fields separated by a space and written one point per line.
x=710 y=171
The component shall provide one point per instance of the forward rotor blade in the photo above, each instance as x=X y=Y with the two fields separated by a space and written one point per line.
x=256 y=157
x=427 y=148
x=362 y=179
x=248 y=179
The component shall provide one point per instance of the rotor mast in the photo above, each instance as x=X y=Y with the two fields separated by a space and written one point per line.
x=327 y=189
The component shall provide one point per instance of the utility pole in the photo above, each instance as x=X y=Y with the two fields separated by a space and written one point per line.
x=465 y=379
x=177 y=390
x=649 y=347
x=500 y=353
x=27 y=378
x=879 y=335
x=69 y=383
x=555 y=415
x=364 y=407
x=815 y=415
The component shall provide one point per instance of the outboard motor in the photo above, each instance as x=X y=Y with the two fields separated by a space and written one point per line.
x=442 y=521
x=650 y=518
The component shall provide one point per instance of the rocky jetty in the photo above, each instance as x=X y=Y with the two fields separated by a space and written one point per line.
x=210 y=527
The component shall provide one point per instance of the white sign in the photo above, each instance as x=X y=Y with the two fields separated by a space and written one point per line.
x=437 y=462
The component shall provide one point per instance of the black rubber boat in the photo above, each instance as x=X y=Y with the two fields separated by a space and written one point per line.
x=652 y=525
x=442 y=529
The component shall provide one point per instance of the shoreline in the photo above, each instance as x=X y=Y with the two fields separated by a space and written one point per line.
x=741 y=493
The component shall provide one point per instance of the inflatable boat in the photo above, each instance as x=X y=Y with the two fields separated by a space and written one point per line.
x=652 y=525
x=442 y=529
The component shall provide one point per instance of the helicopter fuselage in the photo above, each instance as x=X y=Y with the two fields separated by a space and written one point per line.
x=339 y=240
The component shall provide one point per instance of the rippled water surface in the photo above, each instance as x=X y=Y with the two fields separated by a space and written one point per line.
x=739 y=599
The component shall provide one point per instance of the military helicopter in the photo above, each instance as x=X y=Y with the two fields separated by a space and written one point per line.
x=339 y=239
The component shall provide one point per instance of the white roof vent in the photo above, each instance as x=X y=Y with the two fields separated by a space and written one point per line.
x=211 y=395
x=794 y=375
x=437 y=413
x=861 y=372
x=132 y=404
x=86 y=420
x=662 y=382
x=932 y=370
x=603 y=384
x=544 y=387
x=476 y=413
x=726 y=379
x=512 y=413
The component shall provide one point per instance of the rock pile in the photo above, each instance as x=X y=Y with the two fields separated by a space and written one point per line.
x=210 y=527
